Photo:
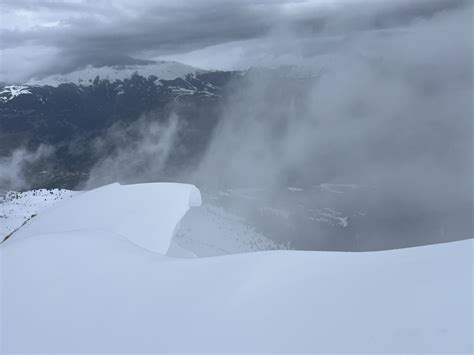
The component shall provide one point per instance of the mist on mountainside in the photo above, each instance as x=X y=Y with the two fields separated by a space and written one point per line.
x=352 y=135
x=376 y=110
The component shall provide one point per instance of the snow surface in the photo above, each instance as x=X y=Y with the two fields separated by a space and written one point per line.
x=16 y=208
x=166 y=70
x=207 y=230
x=145 y=214
x=85 y=289
x=93 y=292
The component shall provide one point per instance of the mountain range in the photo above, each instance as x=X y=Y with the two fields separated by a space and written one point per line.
x=70 y=112
x=54 y=131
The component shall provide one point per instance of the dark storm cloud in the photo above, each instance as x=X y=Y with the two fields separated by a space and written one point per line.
x=372 y=15
x=88 y=35
x=117 y=32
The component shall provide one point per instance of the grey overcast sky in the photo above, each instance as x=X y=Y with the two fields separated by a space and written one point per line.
x=42 y=37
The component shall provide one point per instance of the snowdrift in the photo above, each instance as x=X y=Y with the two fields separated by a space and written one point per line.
x=145 y=214
x=88 y=283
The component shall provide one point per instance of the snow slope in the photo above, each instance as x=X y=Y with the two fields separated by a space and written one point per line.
x=145 y=214
x=211 y=231
x=84 y=287
x=16 y=208
x=94 y=292
x=165 y=70
x=204 y=231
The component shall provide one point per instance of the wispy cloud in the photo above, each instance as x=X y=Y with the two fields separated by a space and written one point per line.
x=135 y=153
x=17 y=170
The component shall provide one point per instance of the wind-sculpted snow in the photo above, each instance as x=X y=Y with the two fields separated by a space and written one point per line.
x=80 y=278
x=91 y=292
x=205 y=231
x=145 y=214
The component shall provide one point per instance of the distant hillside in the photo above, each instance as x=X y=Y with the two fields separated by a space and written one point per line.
x=71 y=115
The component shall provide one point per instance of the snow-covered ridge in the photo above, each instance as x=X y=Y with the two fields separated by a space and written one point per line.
x=166 y=70
x=16 y=208
x=11 y=91
x=205 y=231
x=77 y=291
x=145 y=214
x=78 y=278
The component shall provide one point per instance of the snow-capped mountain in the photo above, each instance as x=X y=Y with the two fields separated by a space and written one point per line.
x=82 y=105
x=164 y=70
x=179 y=79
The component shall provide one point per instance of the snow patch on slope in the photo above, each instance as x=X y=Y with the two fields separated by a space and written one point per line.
x=210 y=231
x=10 y=92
